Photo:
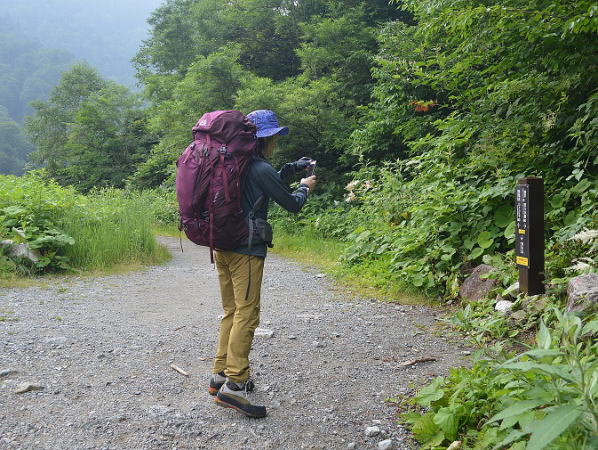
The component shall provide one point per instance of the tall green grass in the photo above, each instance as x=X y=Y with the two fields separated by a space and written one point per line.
x=113 y=228
x=70 y=231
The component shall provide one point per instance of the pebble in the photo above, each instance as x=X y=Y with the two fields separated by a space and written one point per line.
x=317 y=344
x=385 y=445
x=264 y=332
x=352 y=445
x=292 y=337
x=504 y=306
x=28 y=387
x=372 y=431
x=7 y=373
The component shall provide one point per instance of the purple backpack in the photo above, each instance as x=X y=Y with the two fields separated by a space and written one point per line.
x=209 y=177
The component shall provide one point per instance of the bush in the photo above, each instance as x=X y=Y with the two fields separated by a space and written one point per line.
x=71 y=231
x=546 y=397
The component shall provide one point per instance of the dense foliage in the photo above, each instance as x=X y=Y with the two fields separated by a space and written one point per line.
x=543 y=398
x=65 y=230
x=14 y=145
x=457 y=117
x=90 y=133
x=309 y=61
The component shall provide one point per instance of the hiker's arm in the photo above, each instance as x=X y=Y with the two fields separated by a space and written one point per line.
x=275 y=188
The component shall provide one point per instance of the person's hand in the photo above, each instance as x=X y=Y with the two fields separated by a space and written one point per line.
x=302 y=164
x=310 y=182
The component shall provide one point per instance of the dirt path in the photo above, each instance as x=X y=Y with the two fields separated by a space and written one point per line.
x=101 y=349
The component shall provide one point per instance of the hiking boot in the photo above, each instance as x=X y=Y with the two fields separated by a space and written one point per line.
x=234 y=395
x=216 y=382
x=218 y=379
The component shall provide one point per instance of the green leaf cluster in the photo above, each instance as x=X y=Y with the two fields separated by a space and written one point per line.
x=546 y=397
x=90 y=133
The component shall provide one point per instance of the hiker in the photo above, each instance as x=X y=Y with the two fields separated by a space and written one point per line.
x=240 y=270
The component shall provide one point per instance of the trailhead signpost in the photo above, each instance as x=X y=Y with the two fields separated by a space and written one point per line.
x=529 y=230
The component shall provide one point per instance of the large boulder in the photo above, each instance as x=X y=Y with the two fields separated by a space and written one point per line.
x=582 y=292
x=475 y=287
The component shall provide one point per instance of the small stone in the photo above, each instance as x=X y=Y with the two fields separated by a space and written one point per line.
x=352 y=445
x=372 y=431
x=55 y=340
x=7 y=373
x=28 y=387
x=320 y=275
x=466 y=352
x=512 y=290
x=385 y=445
x=504 y=306
x=292 y=337
x=377 y=422
x=317 y=344
x=264 y=332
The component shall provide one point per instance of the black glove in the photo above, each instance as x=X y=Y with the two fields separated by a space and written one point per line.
x=302 y=164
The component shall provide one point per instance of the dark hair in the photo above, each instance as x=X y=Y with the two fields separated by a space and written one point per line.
x=259 y=148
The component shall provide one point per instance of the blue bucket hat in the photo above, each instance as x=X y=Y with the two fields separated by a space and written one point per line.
x=266 y=123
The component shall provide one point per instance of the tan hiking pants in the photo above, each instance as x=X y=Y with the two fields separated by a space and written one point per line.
x=240 y=279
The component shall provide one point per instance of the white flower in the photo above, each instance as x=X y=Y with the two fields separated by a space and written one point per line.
x=585 y=236
x=352 y=185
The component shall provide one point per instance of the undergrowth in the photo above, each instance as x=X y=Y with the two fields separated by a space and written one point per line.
x=46 y=228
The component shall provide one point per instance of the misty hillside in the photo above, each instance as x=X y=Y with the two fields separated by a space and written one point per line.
x=105 y=33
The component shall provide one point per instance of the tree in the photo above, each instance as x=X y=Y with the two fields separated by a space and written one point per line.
x=14 y=146
x=91 y=131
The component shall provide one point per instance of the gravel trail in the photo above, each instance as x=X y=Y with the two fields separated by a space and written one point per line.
x=101 y=349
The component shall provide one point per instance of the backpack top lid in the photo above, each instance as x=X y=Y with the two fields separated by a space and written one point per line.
x=223 y=126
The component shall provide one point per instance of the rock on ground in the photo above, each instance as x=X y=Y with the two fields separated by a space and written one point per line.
x=102 y=349
x=475 y=287
x=582 y=292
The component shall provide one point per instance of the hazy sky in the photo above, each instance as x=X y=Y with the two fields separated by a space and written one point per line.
x=106 y=33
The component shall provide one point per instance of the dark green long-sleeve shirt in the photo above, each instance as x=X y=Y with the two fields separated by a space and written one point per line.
x=262 y=179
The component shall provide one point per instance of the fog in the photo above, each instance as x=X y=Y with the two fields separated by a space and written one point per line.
x=105 y=33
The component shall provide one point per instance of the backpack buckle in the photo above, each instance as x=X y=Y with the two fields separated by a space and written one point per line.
x=224 y=151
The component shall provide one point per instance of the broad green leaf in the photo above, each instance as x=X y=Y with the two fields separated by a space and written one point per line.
x=418 y=280
x=430 y=393
x=526 y=366
x=503 y=216
x=446 y=419
x=476 y=253
x=516 y=409
x=485 y=239
x=541 y=353
x=556 y=201
x=543 y=338
x=515 y=435
x=427 y=431
x=551 y=426
x=510 y=230
x=570 y=218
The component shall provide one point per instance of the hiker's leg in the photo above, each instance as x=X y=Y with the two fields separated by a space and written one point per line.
x=228 y=305
x=247 y=272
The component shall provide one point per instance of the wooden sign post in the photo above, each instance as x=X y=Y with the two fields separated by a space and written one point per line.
x=529 y=229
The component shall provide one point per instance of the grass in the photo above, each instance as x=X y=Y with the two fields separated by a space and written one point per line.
x=114 y=230
x=371 y=280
